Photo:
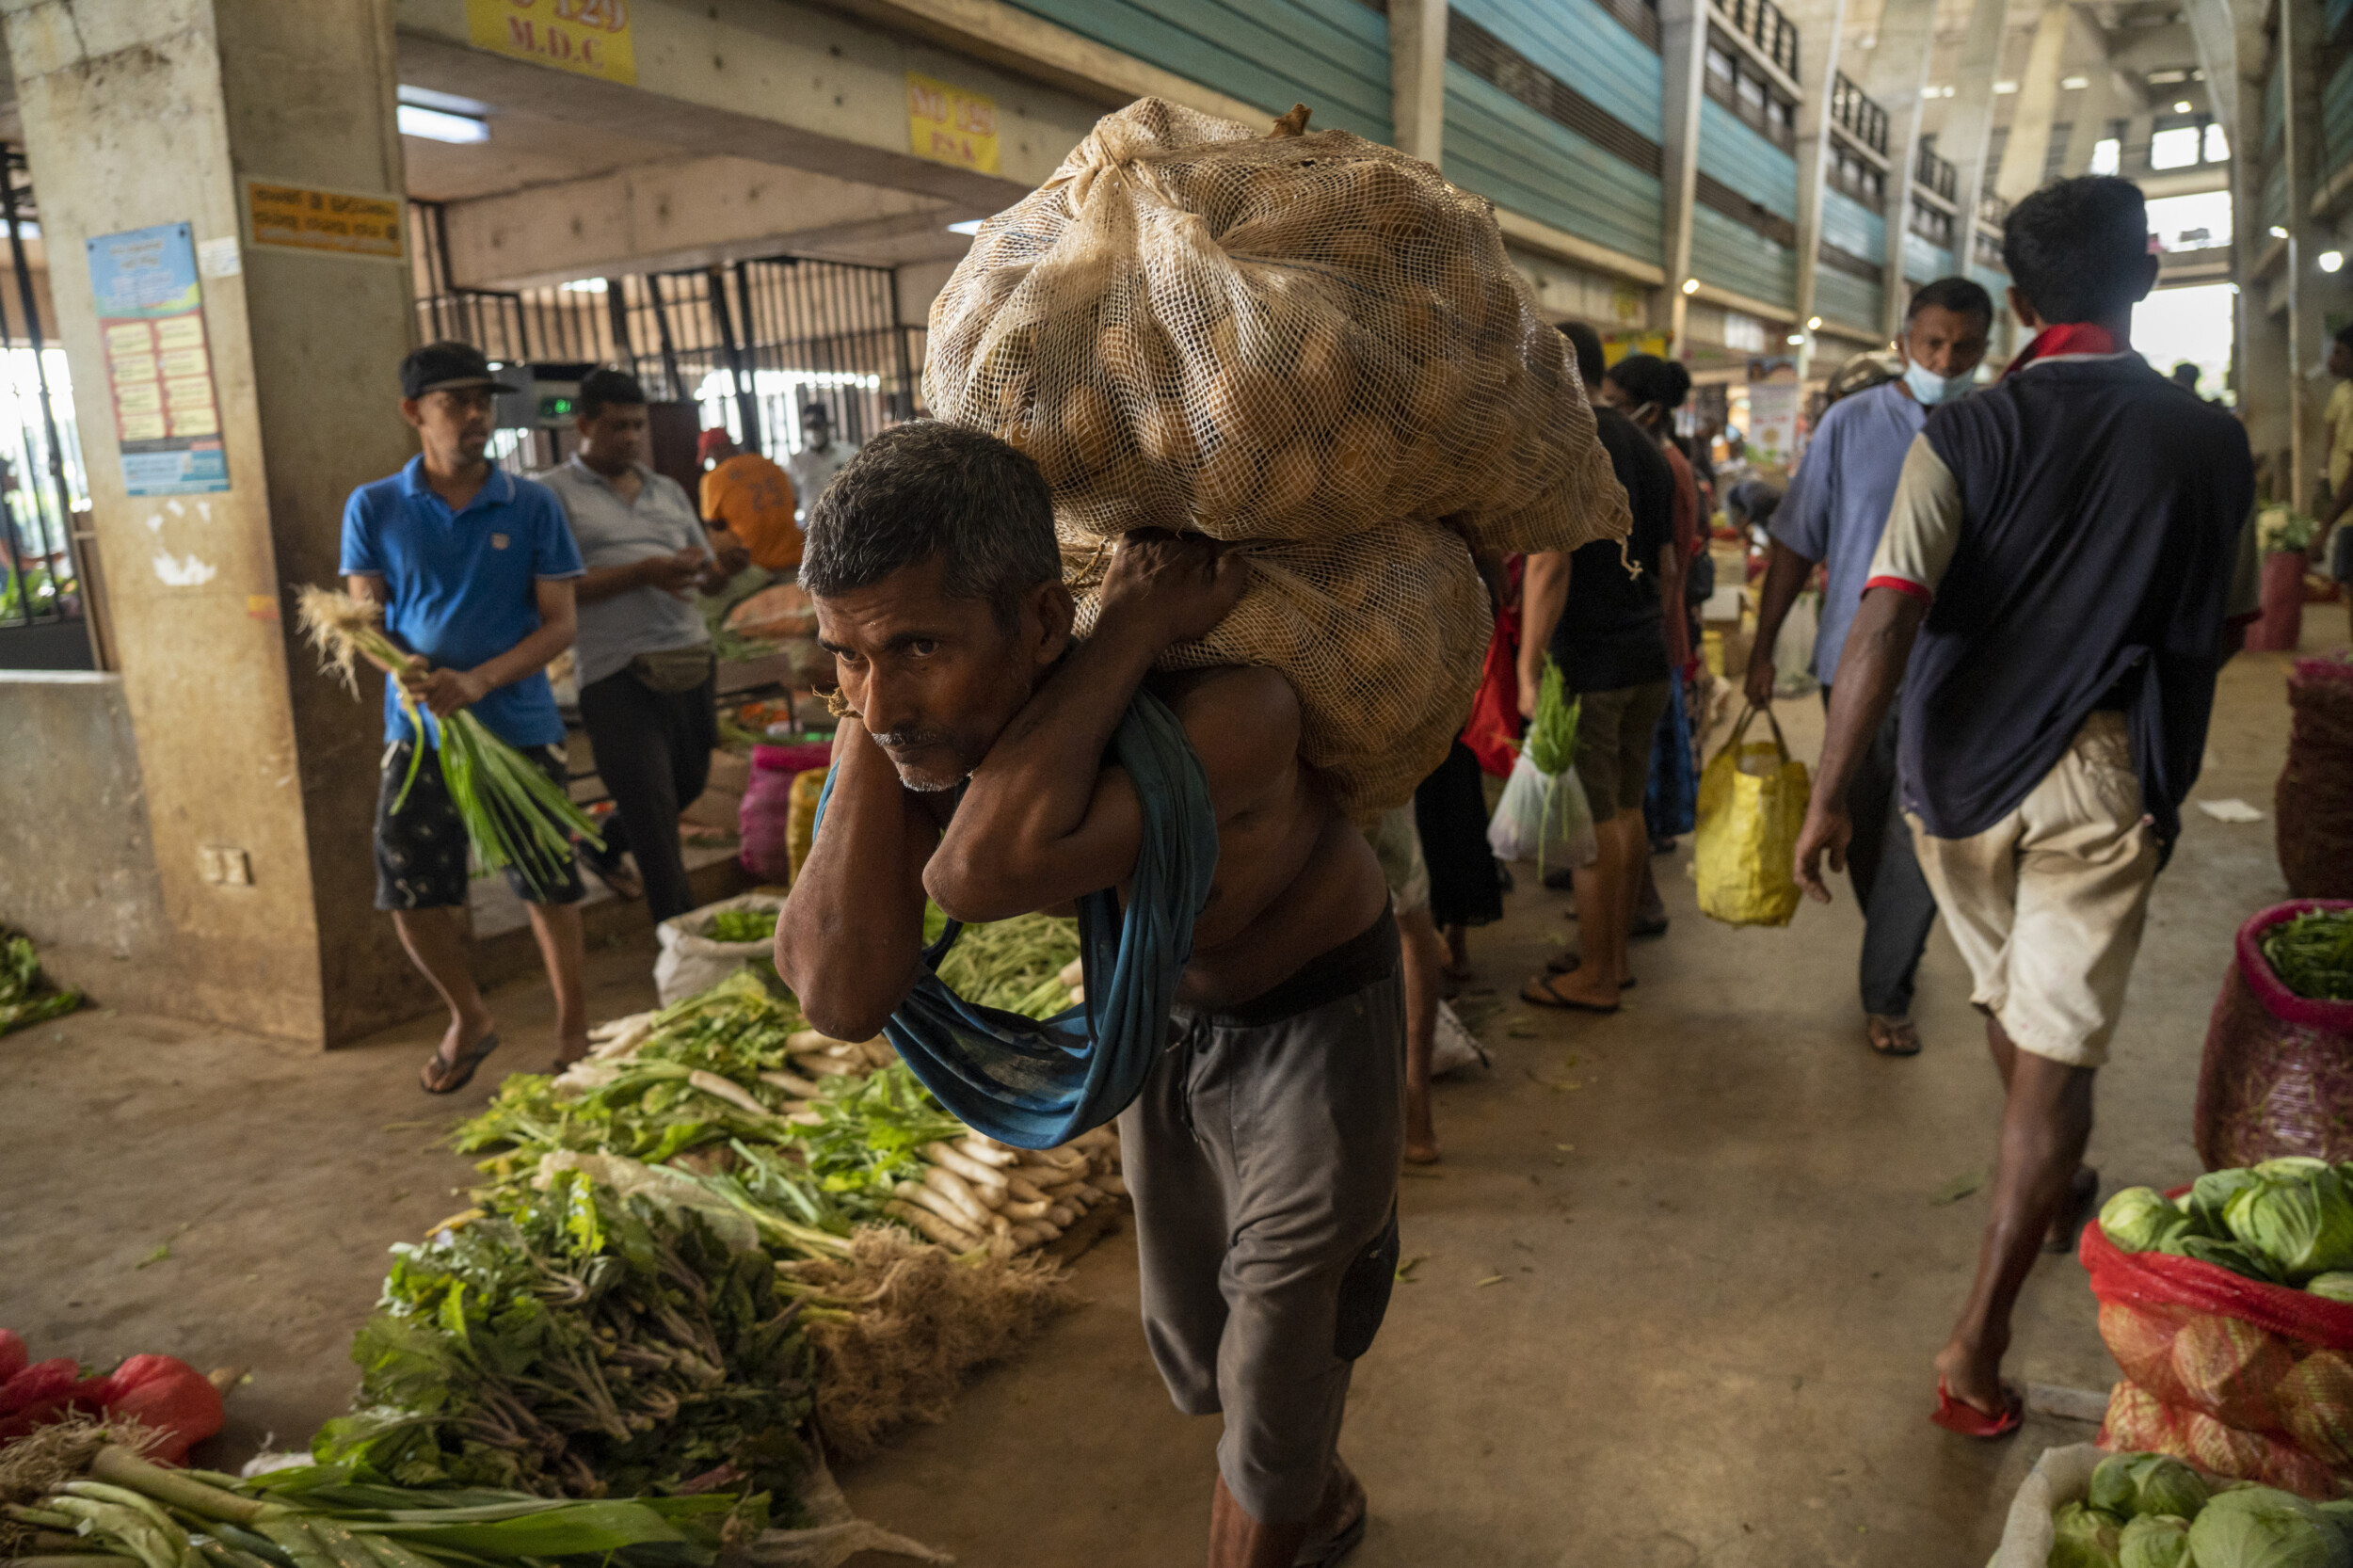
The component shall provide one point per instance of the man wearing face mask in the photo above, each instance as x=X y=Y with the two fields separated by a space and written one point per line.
x=1836 y=509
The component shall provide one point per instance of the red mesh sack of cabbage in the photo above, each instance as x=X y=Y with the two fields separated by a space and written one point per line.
x=2277 y=1076
x=2239 y=1378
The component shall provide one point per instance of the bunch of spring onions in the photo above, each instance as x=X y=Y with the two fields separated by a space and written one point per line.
x=129 y=1513
x=515 y=814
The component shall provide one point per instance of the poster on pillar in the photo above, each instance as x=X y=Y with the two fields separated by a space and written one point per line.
x=159 y=371
x=1773 y=423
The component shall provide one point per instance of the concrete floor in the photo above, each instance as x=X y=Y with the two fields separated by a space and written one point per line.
x=1727 y=1240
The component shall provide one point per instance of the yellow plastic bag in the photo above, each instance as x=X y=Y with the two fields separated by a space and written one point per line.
x=1752 y=800
x=801 y=816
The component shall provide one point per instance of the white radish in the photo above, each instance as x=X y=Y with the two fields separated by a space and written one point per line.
x=932 y=1225
x=1026 y=1237
x=824 y=1066
x=940 y=1203
x=727 y=1090
x=1073 y=975
x=1024 y=1188
x=804 y=1041
x=952 y=1186
x=1022 y=1213
x=1063 y=1214
x=1076 y=1191
x=805 y=1118
x=987 y=1151
x=1114 y=1183
x=982 y=1178
x=791 y=1084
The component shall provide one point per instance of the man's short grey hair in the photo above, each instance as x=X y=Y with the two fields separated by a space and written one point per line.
x=929 y=489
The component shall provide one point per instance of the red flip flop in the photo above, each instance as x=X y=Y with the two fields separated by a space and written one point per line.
x=1967 y=1419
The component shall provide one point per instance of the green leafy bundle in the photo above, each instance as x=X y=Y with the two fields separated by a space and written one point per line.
x=515 y=814
x=866 y=1135
x=2313 y=953
x=23 y=999
x=743 y=925
x=1552 y=738
x=580 y=1343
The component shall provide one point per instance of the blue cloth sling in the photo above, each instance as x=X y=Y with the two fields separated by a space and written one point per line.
x=1035 y=1083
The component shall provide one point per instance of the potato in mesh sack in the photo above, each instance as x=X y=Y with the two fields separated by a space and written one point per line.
x=1383 y=636
x=1193 y=326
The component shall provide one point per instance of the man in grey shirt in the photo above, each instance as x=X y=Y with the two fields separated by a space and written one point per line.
x=818 y=461
x=647 y=680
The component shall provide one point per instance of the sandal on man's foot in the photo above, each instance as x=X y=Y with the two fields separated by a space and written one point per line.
x=1567 y=963
x=1891 y=1036
x=2076 y=1210
x=460 y=1067
x=1327 y=1552
x=1967 y=1419
x=1541 y=992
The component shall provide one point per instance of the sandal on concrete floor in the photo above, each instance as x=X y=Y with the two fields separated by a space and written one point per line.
x=462 y=1064
x=1891 y=1036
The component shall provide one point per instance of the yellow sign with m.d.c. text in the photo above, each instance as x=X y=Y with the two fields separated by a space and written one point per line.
x=589 y=37
x=948 y=126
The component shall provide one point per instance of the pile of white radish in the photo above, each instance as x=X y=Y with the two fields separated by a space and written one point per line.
x=980 y=1192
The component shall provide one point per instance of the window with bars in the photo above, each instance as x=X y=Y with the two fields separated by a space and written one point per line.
x=1934 y=172
x=48 y=619
x=1859 y=177
x=1762 y=24
x=1933 y=223
x=1740 y=86
x=1853 y=109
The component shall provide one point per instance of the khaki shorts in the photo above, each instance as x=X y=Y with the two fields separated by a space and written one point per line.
x=1396 y=843
x=1616 y=732
x=2047 y=904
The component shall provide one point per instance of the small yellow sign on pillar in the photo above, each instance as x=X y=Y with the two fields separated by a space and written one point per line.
x=948 y=126
x=301 y=217
x=589 y=37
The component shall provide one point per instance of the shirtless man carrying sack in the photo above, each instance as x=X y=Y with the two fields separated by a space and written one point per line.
x=1268 y=1240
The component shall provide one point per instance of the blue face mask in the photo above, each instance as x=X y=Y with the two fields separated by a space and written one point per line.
x=1933 y=389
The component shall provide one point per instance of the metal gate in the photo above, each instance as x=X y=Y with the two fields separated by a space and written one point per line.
x=753 y=341
x=46 y=615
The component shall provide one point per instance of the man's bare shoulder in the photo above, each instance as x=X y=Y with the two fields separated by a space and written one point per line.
x=1241 y=719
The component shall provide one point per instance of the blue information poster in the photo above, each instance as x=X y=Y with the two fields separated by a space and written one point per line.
x=150 y=320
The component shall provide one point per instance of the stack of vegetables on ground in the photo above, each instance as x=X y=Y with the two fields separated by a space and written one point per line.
x=27 y=996
x=2151 y=1510
x=2230 y=1310
x=79 y=1496
x=177 y=1405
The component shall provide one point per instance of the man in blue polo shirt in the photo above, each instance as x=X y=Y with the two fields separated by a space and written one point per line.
x=474 y=568
x=1837 y=507
x=2065 y=568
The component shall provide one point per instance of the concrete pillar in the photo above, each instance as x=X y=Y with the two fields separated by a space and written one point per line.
x=2029 y=144
x=1683 y=50
x=1969 y=120
x=1897 y=75
x=2098 y=104
x=2300 y=34
x=1821 y=27
x=1417 y=76
x=260 y=775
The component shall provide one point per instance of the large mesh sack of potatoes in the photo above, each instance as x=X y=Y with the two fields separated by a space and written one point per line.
x=1305 y=343
x=1196 y=324
x=1382 y=635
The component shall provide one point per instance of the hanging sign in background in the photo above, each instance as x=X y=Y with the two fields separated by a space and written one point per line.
x=948 y=126
x=589 y=37
x=159 y=372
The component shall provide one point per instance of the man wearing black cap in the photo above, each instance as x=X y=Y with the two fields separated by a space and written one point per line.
x=474 y=570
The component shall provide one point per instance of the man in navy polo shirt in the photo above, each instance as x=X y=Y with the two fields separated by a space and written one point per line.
x=2069 y=550
x=474 y=568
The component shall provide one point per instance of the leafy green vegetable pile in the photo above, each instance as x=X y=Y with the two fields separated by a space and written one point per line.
x=578 y=1342
x=2149 y=1511
x=743 y=925
x=1015 y=965
x=24 y=999
x=2284 y=1221
x=2313 y=953
x=865 y=1136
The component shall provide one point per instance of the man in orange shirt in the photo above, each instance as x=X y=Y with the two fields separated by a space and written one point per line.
x=751 y=498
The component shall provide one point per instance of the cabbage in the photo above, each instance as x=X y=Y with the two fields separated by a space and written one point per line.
x=2229 y=1368
x=2154 y=1541
x=2289 y=1167
x=2259 y=1527
x=2237 y=1256
x=2084 y=1538
x=2129 y=1485
x=2302 y=1223
x=2336 y=1285
x=2137 y=1218
x=2212 y=1192
x=2316 y=1402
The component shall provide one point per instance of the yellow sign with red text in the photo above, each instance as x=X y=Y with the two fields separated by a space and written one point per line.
x=948 y=126
x=588 y=37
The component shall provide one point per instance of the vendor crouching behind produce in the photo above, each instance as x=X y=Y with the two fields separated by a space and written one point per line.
x=1263 y=1152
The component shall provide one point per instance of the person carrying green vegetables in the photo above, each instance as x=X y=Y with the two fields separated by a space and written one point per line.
x=1263 y=1152
x=474 y=570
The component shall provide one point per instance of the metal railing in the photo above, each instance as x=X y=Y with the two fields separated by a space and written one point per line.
x=1992 y=209
x=1932 y=224
x=1935 y=173
x=754 y=342
x=1762 y=23
x=1851 y=108
x=44 y=591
